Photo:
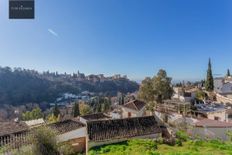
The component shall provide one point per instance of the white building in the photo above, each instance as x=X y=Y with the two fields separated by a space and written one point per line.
x=133 y=108
x=223 y=86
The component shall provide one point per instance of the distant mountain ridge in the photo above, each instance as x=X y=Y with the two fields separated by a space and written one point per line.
x=19 y=86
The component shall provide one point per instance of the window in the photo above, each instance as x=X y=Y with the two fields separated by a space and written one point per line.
x=217 y=118
x=129 y=114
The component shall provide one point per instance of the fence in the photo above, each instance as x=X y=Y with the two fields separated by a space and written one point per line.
x=12 y=142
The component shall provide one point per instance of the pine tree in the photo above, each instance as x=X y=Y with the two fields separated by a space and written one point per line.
x=209 y=85
x=228 y=72
x=56 y=111
x=76 y=110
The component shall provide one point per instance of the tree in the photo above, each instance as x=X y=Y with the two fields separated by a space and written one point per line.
x=209 y=85
x=53 y=119
x=162 y=86
x=44 y=141
x=147 y=94
x=84 y=109
x=76 y=111
x=56 y=111
x=34 y=114
x=155 y=90
x=228 y=73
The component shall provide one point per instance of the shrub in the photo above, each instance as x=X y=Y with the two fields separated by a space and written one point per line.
x=179 y=142
x=44 y=141
x=181 y=135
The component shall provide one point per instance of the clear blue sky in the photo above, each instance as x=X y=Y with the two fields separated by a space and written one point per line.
x=133 y=37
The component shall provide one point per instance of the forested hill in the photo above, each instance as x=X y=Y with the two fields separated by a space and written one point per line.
x=19 y=86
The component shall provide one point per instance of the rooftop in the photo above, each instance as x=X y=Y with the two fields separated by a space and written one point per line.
x=7 y=128
x=135 y=105
x=207 y=108
x=212 y=123
x=96 y=116
x=176 y=102
x=66 y=126
x=122 y=128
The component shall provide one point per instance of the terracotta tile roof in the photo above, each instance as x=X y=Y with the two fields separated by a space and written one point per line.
x=212 y=123
x=97 y=116
x=66 y=126
x=122 y=128
x=7 y=128
x=135 y=105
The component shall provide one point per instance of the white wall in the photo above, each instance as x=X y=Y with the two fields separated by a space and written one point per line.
x=134 y=113
x=83 y=120
x=211 y=133
x=81 y=132
x=220 y=114
x=227 y=88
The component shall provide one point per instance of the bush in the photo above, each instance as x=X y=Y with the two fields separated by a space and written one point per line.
x=181 y=135
x=44 y=141
x=179 y=142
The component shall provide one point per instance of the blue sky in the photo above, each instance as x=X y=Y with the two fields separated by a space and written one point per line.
x=133 y=37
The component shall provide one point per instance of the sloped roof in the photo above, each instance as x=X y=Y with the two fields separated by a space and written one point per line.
x=212 y=123
x=66 y=126
x=7 y=128
x=122 y=128
x=96 y=116
x=135 y=105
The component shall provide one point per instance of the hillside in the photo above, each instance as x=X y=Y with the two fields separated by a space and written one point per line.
x=19 y=86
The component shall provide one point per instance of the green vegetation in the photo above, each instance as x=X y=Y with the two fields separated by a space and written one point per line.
x=228 y=72
x=31 y=115
x=149 y=147
x=56 y=111
x=209 y=85
x=156 y=89
x=100 y=104
x=76 y=110
x=85 y=109
x=131 y=147
x=200 y=95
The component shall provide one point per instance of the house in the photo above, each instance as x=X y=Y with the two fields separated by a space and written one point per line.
x=116 y=114
x=211 y=111
x=223 y=86
x=14 y=135
x=93 y=117
x=111 y=131
x=213 y=129
x=184 y=96
x=133 y=108
x=72 y=132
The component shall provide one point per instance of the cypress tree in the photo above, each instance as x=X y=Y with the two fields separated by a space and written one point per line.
x=209 y=85
x=56 y=111
x=228 y=72
x=76 y=110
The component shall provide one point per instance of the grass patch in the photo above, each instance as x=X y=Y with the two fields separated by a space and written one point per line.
x=150 y=147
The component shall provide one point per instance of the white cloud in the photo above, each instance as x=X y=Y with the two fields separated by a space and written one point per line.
x=53 y=32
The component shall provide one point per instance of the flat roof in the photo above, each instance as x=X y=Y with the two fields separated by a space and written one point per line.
x=206 y=108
